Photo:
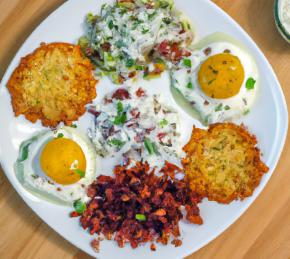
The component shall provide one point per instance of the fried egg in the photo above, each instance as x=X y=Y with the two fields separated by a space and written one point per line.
x=219 y=81
x=57 y=165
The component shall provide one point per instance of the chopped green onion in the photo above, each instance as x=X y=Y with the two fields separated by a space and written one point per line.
x=187 y=62
x=74 y=126
x=250 y=84
x=140 y=217
x=246 y=112
x=149 y=146
x=144 y=31
x=120 y=107
x=166 y=20
x=227 y=108
x=139 y=68
x=79 y=206
x=24 y=153
x=189 y=85
x=80 y=172
x=111 y=25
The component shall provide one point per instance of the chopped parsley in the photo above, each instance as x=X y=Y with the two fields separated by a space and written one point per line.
x=219 y=107
x=139 y=68
x=111 y=25
x=59 y=135
x=246 y=112
x=120 y=107
x=140 y=217
x=120 y=119
x=250 y=84
x=74 y=126
x=189 y=85
x=187 y=62
x=117 y=142
x=227 y=107
x=163 y=123
x=166 y=20
x=130 y=62
x=79 y=206
x=80 y=172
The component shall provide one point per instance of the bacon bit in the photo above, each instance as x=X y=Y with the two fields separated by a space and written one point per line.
x=182 y=31
x=161 y=136
x=96 y=245
x=206 y=102
x=207 y=51
x=121 y=94
x=58 y=189
x=132 y=74
x=74 y=214
x=135 y=113
x=106 y=46
x=153 y=247
x=140 y=92
x=164 y=48
x=121 y=79
x=158 y=198
x=176 y=242
x=92 y=110
x=227 y=51
x=107 y=100
x=149 y=130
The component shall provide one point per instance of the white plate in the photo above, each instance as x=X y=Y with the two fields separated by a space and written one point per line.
x=268 y=120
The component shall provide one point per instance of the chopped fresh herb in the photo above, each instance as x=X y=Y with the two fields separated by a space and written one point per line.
x=227 y=107
x=209 y=82
x=187 y=62
x=151 y=16
x=111 y=25
x=250 y=84
x=149 y=146
x=74 y=126
x=163 y=123
x=117 y=142
x=120 y=107
x=24 y=153
x=219 y=107
x=139 y=68
x=130 y=62
x=120 y=119
x=164 y=4
x=140 y=217
x=144 y=31
x=59 y=135
x=80 y=172
x=166 y=20
x=79 y=206
x=189 y=85
x=246 y=112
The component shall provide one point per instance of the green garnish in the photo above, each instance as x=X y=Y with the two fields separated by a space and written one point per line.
x=227 y=107
x=250 y=84
x=140 y=217
x=130 y=62
x=149 y=146
x=74 y=126
x=59 y=135
x=139 y=68
x=247 y=111
x=150 y=16
x=117 y=142
x=219 y=107
x=189 y=85
x=163 y=123
x=144 y=31
x=111 y=25
x=79 y=206
x=187 y=62
x=166 y=20
x=24 y=153
x=120 y=119
x=80 y=172
x=120 y=107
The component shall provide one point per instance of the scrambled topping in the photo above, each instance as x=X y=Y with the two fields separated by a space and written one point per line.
x=136 y=124
x=136 y=206
x=128 y=35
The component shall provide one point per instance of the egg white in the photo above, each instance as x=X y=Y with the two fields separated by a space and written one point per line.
x=33 y=179
x=213 y=110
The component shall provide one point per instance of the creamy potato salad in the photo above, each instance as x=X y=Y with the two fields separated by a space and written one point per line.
x=138 y=125
x=127 y=35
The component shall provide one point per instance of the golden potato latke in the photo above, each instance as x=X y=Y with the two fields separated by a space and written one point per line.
x=53 y=84
x=223 y=162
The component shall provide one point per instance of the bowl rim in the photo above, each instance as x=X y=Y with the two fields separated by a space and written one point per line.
x=278 y=22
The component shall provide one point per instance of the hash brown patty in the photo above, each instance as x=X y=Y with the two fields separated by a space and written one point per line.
x=52 y=84
x=223 y=162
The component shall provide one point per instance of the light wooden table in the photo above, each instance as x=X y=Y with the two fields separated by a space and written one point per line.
x=262 y=232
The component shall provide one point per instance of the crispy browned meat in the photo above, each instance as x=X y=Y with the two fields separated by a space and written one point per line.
x=223 y=162
x=52 y=84
x=137 y=206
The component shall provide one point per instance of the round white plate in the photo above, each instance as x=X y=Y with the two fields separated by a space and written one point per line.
x=268 y=121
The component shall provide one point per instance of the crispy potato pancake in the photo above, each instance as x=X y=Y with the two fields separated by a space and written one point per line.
x=223 y=162
x=52 y=84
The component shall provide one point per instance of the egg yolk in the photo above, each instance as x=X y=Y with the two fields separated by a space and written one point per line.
x=63 y=161
x=221 y=76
